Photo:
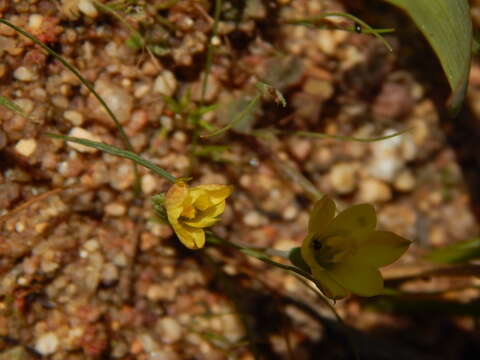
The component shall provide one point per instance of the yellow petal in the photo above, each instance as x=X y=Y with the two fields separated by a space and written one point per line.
x=354 y=221
x=175 y=199
x=192 y=238
x=380 y=248
x=218 y=209
x=208 y=217
x=328 y=285
x=363 y=281
x=321 y=215
x=209 y=195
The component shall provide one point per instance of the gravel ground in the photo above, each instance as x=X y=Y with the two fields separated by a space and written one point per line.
x=86 y=273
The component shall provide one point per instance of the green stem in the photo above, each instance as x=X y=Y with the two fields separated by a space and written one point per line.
x=117 y=152
x=315 y=19
x=251 y=105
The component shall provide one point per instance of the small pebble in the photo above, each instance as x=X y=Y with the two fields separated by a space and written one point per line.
x=374 y=190
x=25 y=104
x=109 y=273
x=165 y=83
x=26 y=147
x=84 y=134
x=88 y=8
x=47 y=344
x=170 y=330
x=290 y=212
x=25 y=74
x=253 y=218
x=148 y=184
x=141 y=90
x=405 y=181
x=35 y=21
x=91 y=245
x=300 y=148
x=116 y=209
x=118 y=99
x=74 y=117
x=343 y=177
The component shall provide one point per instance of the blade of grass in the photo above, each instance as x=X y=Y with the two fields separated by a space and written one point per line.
x=338 y=137
x=313 y=21
x=10 y=105
x=89 y=86
x=117 y=152
x=249 y=108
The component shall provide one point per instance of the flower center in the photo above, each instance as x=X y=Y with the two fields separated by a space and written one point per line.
x=331 y=250
x=189 y=212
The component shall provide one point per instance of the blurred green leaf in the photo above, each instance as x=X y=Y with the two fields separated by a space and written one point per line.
x=447 y=26
x=459 y=252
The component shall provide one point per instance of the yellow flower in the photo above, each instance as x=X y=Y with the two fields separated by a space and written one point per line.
x=345 y=252
x=189 y=210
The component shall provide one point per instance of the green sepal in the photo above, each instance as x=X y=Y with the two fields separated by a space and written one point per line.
x=295 y=257
x=158 y=202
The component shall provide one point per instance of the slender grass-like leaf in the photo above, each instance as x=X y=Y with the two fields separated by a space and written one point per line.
x=345 y=138
x=117 y=152
x=240 y=116
x=316 y=20
x=447 y=26
x=10 y=105
x=317 y=135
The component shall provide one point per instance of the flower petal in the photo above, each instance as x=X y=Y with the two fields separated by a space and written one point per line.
x=363 y=281
x=354 y=221
x=331 y=288
x=191 y=237
x=321 y=215
x=307 y=251
x=175 y=199
x=207 y=217
x=208 y=195
x=379 y=249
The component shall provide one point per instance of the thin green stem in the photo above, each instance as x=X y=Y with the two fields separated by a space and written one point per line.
x=317 y=135
x=315 y=19
x=117 y=152
x=251 y=105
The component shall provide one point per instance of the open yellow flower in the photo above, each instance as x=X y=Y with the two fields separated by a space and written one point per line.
x=345 y=252
x=189 y=210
